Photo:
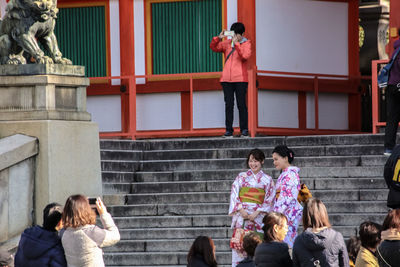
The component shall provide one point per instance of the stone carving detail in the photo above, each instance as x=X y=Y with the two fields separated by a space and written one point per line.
x=25 y=24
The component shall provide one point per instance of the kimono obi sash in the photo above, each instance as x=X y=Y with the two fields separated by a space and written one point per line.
x=252 y=195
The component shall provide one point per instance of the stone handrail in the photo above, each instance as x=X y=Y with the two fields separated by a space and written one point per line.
x=17 y=176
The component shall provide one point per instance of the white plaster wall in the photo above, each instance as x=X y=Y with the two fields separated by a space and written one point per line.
x=209 y=110
x=333 y=111
x=278 y=109
x=302 y=36
x=231 y=12
x=158 y=111
x=106 y=112
x=114 y=41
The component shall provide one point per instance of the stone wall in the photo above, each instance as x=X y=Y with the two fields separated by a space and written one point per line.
x=17 y=177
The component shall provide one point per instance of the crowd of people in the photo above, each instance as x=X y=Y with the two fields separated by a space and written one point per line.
x=69 y=237
x=258 y=206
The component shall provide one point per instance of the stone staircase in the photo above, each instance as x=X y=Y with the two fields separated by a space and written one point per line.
x=164 y=193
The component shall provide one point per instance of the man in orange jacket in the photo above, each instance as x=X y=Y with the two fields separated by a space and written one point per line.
x=234 y=75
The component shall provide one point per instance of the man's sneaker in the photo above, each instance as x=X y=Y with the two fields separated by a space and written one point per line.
x=228 y=134
x=245 y=133
x=387 y=152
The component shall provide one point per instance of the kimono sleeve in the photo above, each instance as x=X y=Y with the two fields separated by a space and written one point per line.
x=288 y=194
x=235 y=204
x=268 y=203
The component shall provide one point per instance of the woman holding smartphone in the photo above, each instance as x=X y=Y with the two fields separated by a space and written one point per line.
x=82 y=239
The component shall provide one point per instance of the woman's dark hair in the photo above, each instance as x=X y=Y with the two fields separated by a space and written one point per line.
x=353 y=246
x=250 y=242
x=51 y=216
x=203 y=246
x=257 y=155
x=284 y=151
x=269 y=221
x=77 y=212
x=315 y=214
x=370 y=234
x=392 y=220
x=238 y=28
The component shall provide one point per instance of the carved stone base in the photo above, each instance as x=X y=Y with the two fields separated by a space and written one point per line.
x=43 y=96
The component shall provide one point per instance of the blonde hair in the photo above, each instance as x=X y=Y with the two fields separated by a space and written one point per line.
x=315 y=214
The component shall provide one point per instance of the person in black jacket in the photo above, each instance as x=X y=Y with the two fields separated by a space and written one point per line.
x=388 y=252
x=202 y=253
x=319 y=244
x=250 y=243
x=392 y=178
x=273 y=252
x=41 y=246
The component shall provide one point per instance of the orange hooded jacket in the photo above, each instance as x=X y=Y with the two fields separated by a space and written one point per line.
x=235 y=69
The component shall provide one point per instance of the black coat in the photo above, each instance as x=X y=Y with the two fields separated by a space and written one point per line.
x=247 y=262
x=272 y=254
x=39 y=247
x=197 y=261
x=389 y=252
x=327 y=247
x=393 y=199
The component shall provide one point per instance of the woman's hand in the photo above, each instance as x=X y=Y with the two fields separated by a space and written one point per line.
x=221 y=35
x=101 y=208
x=253 y=216
x=244 y=214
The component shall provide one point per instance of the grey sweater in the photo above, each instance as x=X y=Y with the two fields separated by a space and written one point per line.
x=327 y=247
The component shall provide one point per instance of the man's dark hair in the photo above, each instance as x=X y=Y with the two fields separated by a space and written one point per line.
x=52 y=214
x=250 y=242
x=238 y=28
x=370 y=234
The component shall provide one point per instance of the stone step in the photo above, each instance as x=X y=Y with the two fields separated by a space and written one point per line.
x=338 y=219
x=230 y=174
x=222 y=208
x=156 y=258
x=209 y=153
x=163 y=245
x=225 y=185
x=216 y=164
x=218 y=142
x=223 y=197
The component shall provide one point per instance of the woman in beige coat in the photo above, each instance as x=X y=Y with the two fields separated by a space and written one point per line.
x=82 y=239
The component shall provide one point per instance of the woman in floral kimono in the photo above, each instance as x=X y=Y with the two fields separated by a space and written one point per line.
x=287 y=189
x=252 y=197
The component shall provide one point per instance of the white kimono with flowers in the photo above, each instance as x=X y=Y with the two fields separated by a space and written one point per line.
x=248 y=179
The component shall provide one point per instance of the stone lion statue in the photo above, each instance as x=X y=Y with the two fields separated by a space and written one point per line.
x=26 y=23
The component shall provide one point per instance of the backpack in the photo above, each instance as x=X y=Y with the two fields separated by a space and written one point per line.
x=383 y=75
x=392 y=169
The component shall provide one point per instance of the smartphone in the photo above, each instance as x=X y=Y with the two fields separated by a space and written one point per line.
x=229 y=33
x=92 y=203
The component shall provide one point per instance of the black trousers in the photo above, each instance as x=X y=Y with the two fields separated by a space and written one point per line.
x=239 y=89
x=393 y=116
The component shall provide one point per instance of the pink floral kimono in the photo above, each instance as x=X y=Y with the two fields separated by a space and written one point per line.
x=250 y=192
x=287 y=188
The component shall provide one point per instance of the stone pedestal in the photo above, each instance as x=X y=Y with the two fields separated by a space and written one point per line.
x=49 y=102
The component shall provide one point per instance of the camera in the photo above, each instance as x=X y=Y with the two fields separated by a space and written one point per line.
x=92 y=203
x=229 y=33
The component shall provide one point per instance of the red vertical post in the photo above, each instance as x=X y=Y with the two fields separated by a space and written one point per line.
x=191 y=102
x=354 y=100
x=316 y=112
x=127 y=58
x=374 y=95
x=246 y=11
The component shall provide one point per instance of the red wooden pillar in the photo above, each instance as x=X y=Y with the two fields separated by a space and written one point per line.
x=127 y=58
x=354 y=102
x=247 y=15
